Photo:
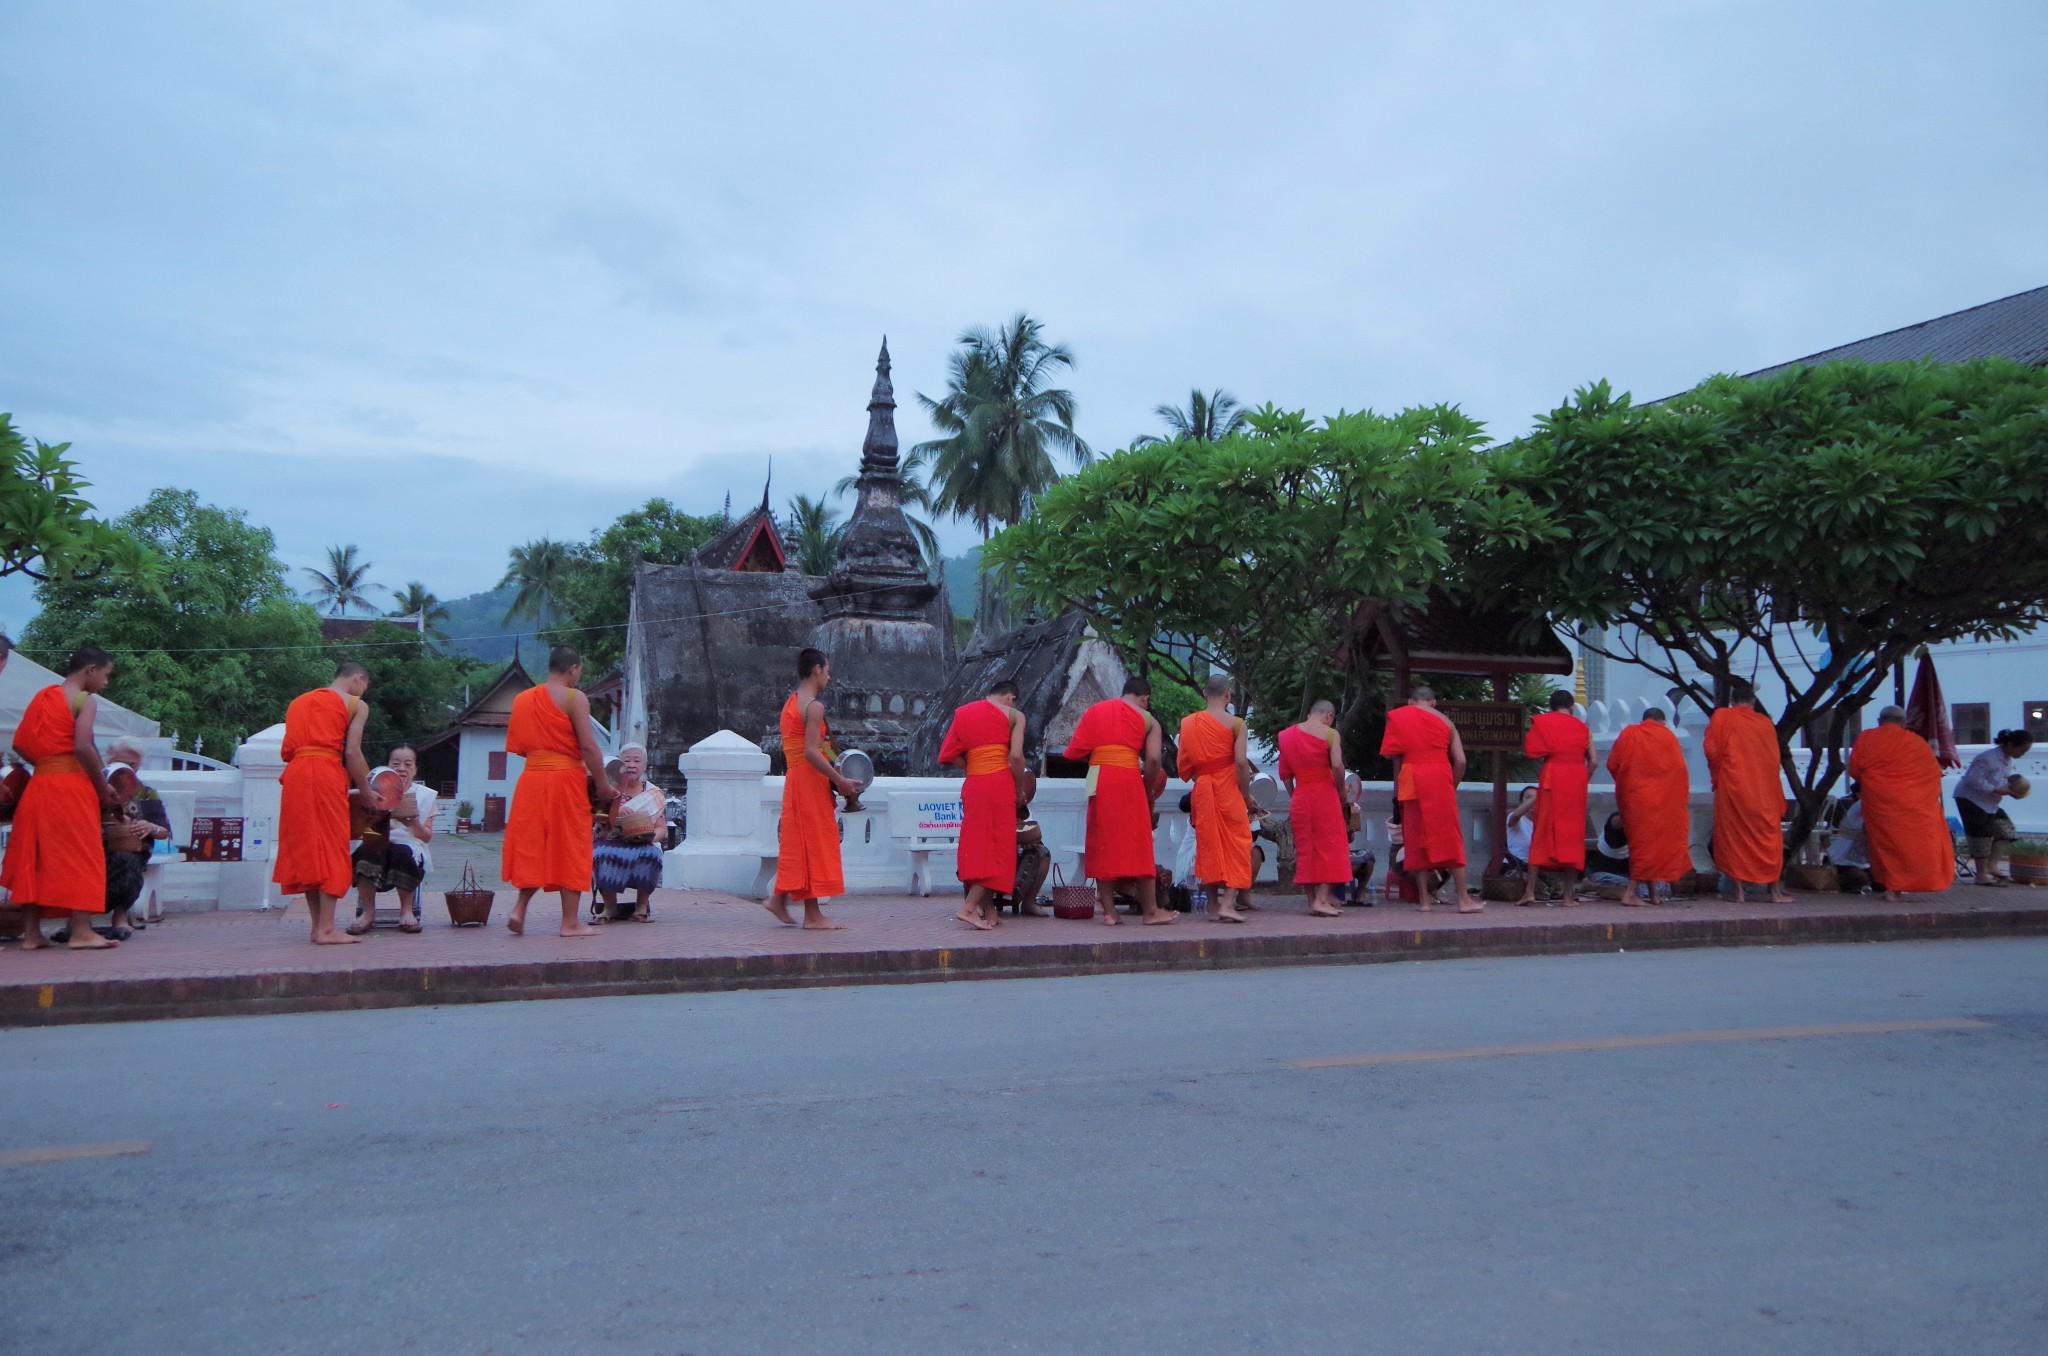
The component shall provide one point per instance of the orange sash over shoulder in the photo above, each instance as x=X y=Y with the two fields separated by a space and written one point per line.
x=54 y=858
x=312 y=813
x=988 y=798
x=1652 y=791
x=1903 y=820
x=1223 y=826
x=807 y=859
x=1749 y=795
x=548 y=836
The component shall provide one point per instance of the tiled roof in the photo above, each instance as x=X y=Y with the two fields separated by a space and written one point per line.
x=2014 y=327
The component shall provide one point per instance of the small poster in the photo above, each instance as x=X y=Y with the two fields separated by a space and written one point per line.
x=215 y=838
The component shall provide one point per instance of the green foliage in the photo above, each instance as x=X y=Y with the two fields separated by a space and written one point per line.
x=46 y=530
x=538 y=573
x=1173 y=700
x=594 y=593
x=344 y=584
x=414 y=687
x=1818 y=525
x=212 y=645
x=1252 y=553
x=815 y=532
x=1207 y=418
x=415 y=600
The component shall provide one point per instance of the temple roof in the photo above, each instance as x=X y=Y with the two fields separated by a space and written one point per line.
x=1444 y=637
x=2014 y=327
x=752 y=544
x=492 y=709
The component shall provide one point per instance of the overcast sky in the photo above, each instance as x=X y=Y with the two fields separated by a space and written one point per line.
x=440 y=277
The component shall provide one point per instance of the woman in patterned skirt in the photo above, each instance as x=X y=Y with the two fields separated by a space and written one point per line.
x=627 y=854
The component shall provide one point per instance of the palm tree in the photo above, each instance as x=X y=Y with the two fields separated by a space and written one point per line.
x=344 y=584
x=1003 y=420
x=817 y=531
x=915 y=495
x=540 y=569
x=415 y=601
x=1207 y=418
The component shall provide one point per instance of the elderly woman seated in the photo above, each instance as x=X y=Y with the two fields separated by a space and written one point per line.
x=627 y=852
x=394 y=856
x=129 y=835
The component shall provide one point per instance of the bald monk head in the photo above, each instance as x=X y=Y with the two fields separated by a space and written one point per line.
x=1422 y=696
x=1562 y=700
x=1003 y=693
x=1322 y=713
x=1651 y=713
x=1892 y=715
x=565 y=662
x=1138 y=692
x=1741 y=696
x=1217 y=686
x=351 y=678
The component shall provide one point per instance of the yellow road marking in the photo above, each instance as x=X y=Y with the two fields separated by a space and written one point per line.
x=1756 y=1033
x=46 y=995
x=64 y=1153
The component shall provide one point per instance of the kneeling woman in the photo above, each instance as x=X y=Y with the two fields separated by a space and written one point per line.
x=627 y=853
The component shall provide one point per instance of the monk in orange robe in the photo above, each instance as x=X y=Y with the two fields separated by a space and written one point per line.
x=55 y=865
x=1429 y=762
x=1214 y=759
x=807 y=861
x=1910 y=844
x=1312 y=766
x=1120 y=740
x=323 y=753
x=548 y=832
x=987 y=739
x=1653 y=793
x=1565 y=745
x=1749 y=799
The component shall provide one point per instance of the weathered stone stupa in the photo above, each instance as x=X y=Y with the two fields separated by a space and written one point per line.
x=891 y=648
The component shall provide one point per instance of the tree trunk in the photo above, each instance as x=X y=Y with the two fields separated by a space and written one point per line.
x=991 y=612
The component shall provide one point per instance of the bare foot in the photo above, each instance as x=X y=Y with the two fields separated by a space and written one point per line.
x=578 y=929
x=515 y=923
x=1780 y=897
x=1631 y=902
x=1327 y=913
x=973 y=920
x=1110 y=919
x=823 y=924
x=1894 y=897
x=1424 y=907
x=1571 y=901
x=333 y=938
x=92 y=940
x=779 y=907
x=1470 y=905
x=1526 y=901
x=1161 y=918
x=1227 y=916
x=33 y=939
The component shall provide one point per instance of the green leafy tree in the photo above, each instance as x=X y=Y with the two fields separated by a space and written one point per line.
x=414 y=688
x=414 y=600
x=344 y=584
x=597 y=586
x=1253 y=553
x=213 y=645
x=1002 y=420
x=539 y=571
x=815 y=532
x=1815 y=527
x=1207 y=418
x=46 y=527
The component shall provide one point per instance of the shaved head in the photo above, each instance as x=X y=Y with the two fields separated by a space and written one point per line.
x=1217 y=686
x=1652 y=713
x=1892 y=715
x=1323 y=708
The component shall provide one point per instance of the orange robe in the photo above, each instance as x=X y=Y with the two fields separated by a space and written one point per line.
x=1322 y=840
x=548 y=833
x=1903 y=821
x=1560 y=739
x=1431 y=839
x=1223 y=823
x=807 y=859
x=980 y=733
x=312 y=811
x=1749 y=799
x=1652 y=791
x=1111 y=736
x=54 y=857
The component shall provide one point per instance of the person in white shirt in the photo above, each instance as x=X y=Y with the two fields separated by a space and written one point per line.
x=397 y=860
x=1989 y=779
x=1848 y=849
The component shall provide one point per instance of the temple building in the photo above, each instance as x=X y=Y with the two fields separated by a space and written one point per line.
x=712 y=643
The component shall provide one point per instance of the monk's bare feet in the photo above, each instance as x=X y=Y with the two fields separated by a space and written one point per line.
x=1227 y=916
x=515 y=923
x=816 y=921
x=1571 y=901
x=974 y=920
x=1631 y=902
x=334 y=938
x=1161 y=918
x=778 y=905
x=1110 y=919
x=1526 y=902
x=1894 y=897
x=1470 y=905
x=1778 y=896
x=578 y=928
x=1424 y=907
x=1327 y=913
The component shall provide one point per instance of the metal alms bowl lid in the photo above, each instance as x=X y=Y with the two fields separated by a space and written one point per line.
x=857 y=768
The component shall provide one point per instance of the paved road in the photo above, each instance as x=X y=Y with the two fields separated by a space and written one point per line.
x=1123 y=1164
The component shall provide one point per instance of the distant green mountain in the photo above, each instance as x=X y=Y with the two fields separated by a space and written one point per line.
x=963 y=579
x=476 y=625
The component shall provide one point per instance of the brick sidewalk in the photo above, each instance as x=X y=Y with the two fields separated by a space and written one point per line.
x=205 y=964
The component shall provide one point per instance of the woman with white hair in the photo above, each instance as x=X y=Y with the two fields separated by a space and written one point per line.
x=396 y=858
x=129 y=836
x=627 y=853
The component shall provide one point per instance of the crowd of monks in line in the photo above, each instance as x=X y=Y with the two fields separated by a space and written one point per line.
x=54 y=866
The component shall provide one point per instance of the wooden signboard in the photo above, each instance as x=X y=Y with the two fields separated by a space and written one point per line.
x=1487 y=727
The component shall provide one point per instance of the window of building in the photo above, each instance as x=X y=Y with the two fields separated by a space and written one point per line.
x=2037 y=719
x=1593 y=665
x=1971 y=722
x=494 y=770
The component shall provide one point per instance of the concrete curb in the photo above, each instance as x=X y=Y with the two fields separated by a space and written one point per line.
x=144 y=999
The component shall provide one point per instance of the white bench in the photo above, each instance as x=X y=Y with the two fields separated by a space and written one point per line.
x=924 y=824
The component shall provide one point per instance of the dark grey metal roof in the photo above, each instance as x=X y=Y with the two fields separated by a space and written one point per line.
x=2014 y=327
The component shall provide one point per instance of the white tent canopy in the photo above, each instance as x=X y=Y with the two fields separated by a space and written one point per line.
x=23 y=678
